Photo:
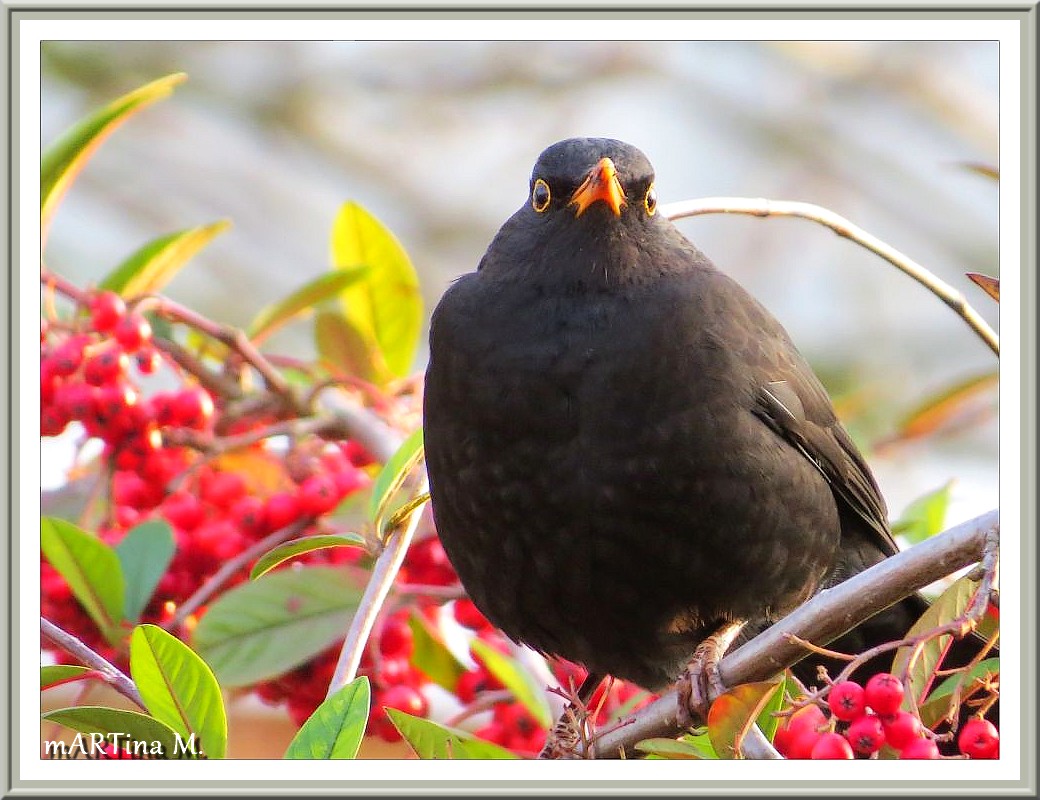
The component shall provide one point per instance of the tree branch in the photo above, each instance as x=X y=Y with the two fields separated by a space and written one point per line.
x=382 y=442
x=822 y=619
x=89 y=658
x=761 y=207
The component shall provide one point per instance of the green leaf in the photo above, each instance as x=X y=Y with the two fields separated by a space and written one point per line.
x=432 y=741
x=305 y=544
x=516 y=679
x=303 y=299
x=940 y=700
x=178 y=688
x=336 y=727
x=260 y=629
x=392 y=476
x=144 y=554
x=688 y=747
x=66 y=157
x=151 y=267
x=432 y=657
x=344 y=349
x=733 y=713
x=386 y=308
x=90 y=567
x=766 y=722
x=59 y=673
x=950 y=605
x=134 y=725
x=925 y=516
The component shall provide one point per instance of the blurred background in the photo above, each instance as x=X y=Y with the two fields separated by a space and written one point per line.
x=438 y=139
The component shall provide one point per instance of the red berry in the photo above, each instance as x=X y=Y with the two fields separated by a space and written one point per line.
x=106 y=309
x=248 y=514
x=318 y=495
x=132 y=332
x=920 y=749
x=396 y=639
x=68 y=357
x=831 y=746
x=470 y=684
x=222 y=489
x=846 y=701
x=191 y=408
x=901 y=729
x=281 y=509
x=52 y=421
x=468 y=615
x=797 y=734
x=105 y=366
x=404 y=698
x=866 y=734
x=148 y=360
x=183 y=510
x=884 y=694
x=979 y=739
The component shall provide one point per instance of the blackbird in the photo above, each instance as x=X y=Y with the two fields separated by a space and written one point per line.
x=629 y=460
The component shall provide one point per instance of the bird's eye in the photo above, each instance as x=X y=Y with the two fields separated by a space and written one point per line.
x=540 y=196
x=650 y=201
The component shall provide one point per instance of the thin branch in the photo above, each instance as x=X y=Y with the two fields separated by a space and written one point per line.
x=761 y=207
x=376 y=590
x=824 y=618
x=89 y=658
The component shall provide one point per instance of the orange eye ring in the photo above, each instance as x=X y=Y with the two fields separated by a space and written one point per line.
x=540 y=196
x=650 y=201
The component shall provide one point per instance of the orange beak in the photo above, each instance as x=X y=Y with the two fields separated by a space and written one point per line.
x=603 y=184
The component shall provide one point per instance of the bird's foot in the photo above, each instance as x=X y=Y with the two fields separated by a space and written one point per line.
x=563 y=740
x=701 y=683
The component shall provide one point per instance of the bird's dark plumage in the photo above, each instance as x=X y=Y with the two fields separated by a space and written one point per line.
x=625 y=449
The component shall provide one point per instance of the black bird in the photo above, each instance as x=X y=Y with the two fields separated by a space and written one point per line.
x=628 y=458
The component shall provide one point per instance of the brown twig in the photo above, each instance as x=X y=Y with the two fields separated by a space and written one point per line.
x=761 y=207
x=88 y=657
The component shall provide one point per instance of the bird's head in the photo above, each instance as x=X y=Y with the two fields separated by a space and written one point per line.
x=601 y=178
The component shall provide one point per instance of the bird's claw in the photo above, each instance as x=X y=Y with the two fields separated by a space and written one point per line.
x=699 y=685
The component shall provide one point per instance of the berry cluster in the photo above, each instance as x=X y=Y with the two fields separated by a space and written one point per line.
x=870 y=717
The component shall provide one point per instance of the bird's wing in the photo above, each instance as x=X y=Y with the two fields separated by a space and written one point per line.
x=798 y=409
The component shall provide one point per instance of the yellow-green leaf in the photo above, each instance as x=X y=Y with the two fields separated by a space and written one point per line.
x=336 y=727
x=151 y=267
x=689 y=748
x=516 y=679
x=386 y=307
x=178 y=687
x=733 y=713
x=925 y=516
x=305 y=544
x=344 y=350
x=432 y=741
x=950 y=605
x=65 y=158
x=302 y=300
x=939 y=702
x=392 y=476
x=432 y=657
x=122 y=727
x=90 y=567
x=54 y=674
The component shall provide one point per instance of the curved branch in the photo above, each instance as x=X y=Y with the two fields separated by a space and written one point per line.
x=88 y=657
x=761 y=207
x=822 y=619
